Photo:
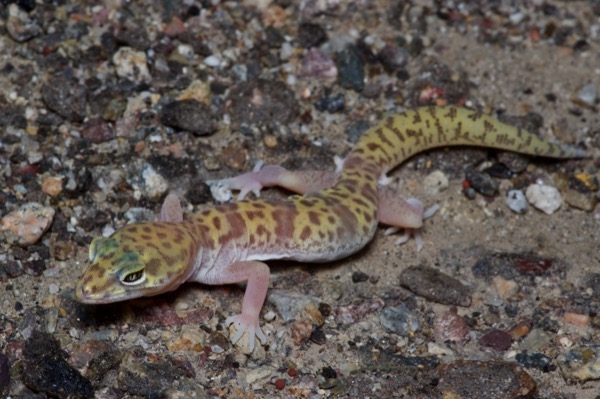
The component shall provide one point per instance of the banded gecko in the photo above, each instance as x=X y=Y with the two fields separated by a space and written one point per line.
x=335 y=216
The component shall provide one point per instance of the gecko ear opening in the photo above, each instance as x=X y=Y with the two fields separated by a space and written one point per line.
x=134 y=278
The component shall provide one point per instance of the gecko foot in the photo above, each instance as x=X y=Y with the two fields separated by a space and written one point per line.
x=408 y=232
x=242 y=324
x=251 y=182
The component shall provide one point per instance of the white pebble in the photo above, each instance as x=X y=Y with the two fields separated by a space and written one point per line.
x=155 y=184
x=53 y=288
x=131 y=64
x=543 y=197
x=435 y=182
x=516 y=201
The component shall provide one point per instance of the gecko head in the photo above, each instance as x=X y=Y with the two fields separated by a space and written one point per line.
x=139 y=260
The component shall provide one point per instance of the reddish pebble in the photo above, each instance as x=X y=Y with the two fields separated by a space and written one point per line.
x=280 y=384
x=292 y=372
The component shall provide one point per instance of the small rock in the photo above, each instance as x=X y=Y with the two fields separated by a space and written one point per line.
x=301 y=331
x=319 y=65
x=359 y=277
x=516 y=201
x=28 y=223
x=543 y=197
x=191 y=115
x=331 y=104
x=399 y=320
x=4 y=374
x=490 y=380
x=52 y=185
x=262 y=102
x=259 y=374
x=154 y=184
x=131 y=64
x=20 y=27
x=581 y=363
x=586 y=96
x=97 y=131
x=352 y=313
x=451 y=327
x=497 y=340
x=436 y=182
x=505 y=288
x=482 y=183
x=435 y=286
x=46 y=370
x=311 y=35
x=351 y=74
x=293 y=306
x=537 y=340
x=393 y=57
x=535 y=360
x=65 y=97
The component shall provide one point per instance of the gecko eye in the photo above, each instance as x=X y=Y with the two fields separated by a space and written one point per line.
x=134 y=278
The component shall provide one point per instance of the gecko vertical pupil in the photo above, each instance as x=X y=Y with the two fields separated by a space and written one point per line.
x=133 y=277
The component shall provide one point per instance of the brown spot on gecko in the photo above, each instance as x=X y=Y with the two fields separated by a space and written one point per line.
x=153 y=266
x=314 y=219
x=306 y=232
x=216 y=221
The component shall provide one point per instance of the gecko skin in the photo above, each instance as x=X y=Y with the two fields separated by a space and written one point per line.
x=337 y=215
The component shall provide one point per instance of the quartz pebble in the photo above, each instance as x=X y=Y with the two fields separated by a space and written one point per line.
x=131 y=64
x=154 y=183
x=545 y=198
x=436 y=182
x=28 y=223
x=516 y=201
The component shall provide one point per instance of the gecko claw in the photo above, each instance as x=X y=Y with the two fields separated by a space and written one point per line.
x=242 y=324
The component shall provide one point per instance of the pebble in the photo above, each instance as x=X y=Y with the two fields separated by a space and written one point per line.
x=349 y=63
x=497 y=340
x=52 y=185
x=543 y=197
x=154 y=184
x=65 y=97
x=435 y=286
x=259 y=374
x=262 y=102
x=505 y=288
x=393 y=57
x=97 y=131
x=586 y=95
x=484 y=379
x=537 y=340
x=28 y=223
x=581 y=363
x=318 y=64
x=190 y=115
x=311 y=35
x=436 y=182
x=451 y=327
x=399 y=320
x=481 y=182
x=46 y=370
x=293 y=306
x=535 y=360
x=516 y=201
x=331 y=104
x=4 y=374
x=20 y=27
x=131 y=64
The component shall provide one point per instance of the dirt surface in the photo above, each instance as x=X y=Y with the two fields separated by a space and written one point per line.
x=104 y=109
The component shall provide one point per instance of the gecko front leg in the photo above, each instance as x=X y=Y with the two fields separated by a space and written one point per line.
x=256 y=274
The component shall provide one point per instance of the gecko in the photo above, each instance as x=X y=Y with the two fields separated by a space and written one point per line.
x=332 y=215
